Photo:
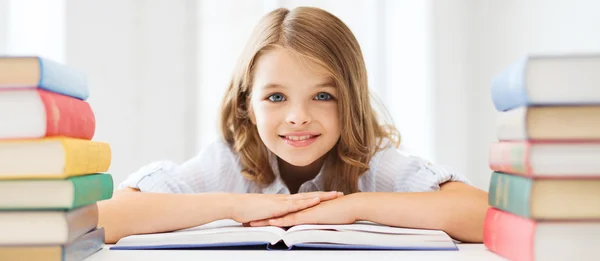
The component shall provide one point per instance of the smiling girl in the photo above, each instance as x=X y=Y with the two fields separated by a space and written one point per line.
x=300 y=143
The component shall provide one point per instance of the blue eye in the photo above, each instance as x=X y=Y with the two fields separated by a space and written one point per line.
x=277 y=97
x=323 y=96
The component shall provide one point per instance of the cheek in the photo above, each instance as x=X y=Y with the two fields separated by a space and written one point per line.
x=266 y=118
x=328 y=116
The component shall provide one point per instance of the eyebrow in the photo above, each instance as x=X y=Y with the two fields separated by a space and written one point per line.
x=320 y=85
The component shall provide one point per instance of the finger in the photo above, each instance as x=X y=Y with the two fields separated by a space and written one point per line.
x=300 y=204
x=287 y=220
x=321 y=195
x=259 y=223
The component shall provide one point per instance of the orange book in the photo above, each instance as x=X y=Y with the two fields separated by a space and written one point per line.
x=52 y=158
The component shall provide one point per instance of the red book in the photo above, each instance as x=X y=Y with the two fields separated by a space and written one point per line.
x=521 y=239
x=36 y=113
x=547 y=159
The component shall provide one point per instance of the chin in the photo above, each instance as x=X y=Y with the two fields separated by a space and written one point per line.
x=299 y=162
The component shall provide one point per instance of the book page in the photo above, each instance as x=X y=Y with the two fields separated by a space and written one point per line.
x=227 y=226
x=223 y=232
x=366 y=226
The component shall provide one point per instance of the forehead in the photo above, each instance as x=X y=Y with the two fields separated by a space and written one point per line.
x=285 y=67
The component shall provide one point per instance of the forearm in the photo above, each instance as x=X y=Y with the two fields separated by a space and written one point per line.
x=459 y=213
x=130 y=213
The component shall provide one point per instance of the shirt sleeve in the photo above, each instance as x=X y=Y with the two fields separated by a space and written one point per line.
x=214 y=169
x=410 y=173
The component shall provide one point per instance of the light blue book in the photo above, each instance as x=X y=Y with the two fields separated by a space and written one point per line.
x=228 y=234
x=37 y=72
x=540 y=80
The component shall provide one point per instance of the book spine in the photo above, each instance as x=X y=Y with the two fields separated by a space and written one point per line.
x=80 y=221
x=85 y=157
x=90 y=189
x=84 y=246
x=511 y=157
x=508 y=88
x=67 y=116
x=62 y=79
x=509 y=236
x=510 y=193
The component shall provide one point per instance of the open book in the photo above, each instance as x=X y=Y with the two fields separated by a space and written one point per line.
x=228 y=234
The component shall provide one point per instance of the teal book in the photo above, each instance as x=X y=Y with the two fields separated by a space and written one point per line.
x=55 y=194
x=546 y=199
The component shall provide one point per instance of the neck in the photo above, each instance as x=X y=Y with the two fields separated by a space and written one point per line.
x=295 y=176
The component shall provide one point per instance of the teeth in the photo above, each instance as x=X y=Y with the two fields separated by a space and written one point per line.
x=298 y=137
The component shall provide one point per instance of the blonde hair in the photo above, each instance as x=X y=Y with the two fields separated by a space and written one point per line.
x=323 y=38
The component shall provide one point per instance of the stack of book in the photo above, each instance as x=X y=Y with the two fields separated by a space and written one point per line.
x=51 y=172
x=545 y=186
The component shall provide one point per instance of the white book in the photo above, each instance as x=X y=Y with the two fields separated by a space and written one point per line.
x=230 y=234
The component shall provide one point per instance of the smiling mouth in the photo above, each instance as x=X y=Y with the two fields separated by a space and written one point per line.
x=299 y=141
x=299 y=138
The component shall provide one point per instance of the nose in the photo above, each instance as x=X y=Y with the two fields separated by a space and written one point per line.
x=298 y=115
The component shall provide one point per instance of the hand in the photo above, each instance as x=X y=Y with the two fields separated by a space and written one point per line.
x=251 y=207
x=342 y=210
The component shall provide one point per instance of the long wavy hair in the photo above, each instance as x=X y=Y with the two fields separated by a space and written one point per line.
x=323 y=38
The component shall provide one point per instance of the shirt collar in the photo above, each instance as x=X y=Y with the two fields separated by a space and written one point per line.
x=279 y=187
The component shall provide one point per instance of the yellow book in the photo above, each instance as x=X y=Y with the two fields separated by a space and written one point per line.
x=52 y=158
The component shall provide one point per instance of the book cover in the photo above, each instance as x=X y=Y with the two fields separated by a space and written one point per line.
x=55 y=194
x=522 y=239
x=36 y=113
x=55 y=158
x=46 y=227
x=546 y=159
x=43 y=73
x=78 y=250
x=545 y=199
x=568 y=79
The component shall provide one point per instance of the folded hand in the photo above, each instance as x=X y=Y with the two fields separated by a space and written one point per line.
x=251 y=207
x=342 y=210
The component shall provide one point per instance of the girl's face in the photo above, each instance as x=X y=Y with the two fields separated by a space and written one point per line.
x=294 y=107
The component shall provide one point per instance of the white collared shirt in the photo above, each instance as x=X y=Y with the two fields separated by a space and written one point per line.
x=217 y=168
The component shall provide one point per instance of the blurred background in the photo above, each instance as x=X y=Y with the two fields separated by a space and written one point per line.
x=157 y=68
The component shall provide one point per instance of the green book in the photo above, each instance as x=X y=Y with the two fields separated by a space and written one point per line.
x=545 y=199
x=53 y=194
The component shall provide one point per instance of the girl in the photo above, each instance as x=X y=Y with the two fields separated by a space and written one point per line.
x=296 y=122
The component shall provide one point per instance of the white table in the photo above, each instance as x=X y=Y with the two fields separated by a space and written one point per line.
x=466 y=252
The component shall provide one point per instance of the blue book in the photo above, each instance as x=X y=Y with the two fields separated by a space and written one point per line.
x=541 y=80
x=37 y=72
x=228 y=234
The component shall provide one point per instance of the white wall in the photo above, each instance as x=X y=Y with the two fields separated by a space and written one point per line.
x=3 y=25
x=224 y=27
x=476 y=40
x=36 y=31
x=141 y=62
x=508 y=30
x=453 y=39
